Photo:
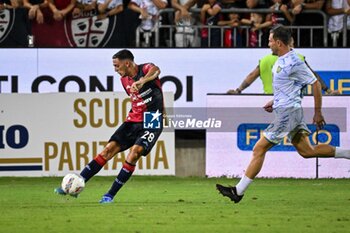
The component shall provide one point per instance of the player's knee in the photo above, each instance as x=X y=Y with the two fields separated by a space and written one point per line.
x=109 y=151
x=106 y=154
x=257 y=151
x=135 y=154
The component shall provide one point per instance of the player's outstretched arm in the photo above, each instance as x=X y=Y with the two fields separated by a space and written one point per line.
x=252 y=76
x=324 y=86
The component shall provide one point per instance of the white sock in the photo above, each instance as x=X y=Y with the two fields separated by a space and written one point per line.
x=342 y=153
x=243 y=184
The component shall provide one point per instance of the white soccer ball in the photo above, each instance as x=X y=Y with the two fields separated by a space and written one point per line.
x=73 y=184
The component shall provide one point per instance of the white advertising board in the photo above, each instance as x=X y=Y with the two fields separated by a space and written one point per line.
x=53 y=134
x=189 y=73
x=228 y=152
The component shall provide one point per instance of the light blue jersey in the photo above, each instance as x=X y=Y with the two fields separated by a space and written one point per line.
x=290 y=75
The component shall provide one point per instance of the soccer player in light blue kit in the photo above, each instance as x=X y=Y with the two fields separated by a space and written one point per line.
x=290 y=75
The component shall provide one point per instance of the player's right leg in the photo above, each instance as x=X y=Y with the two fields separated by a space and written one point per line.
x=100 y=160
x=257 y=161
x=124 y=174
x=236 y=193
x=96 y=164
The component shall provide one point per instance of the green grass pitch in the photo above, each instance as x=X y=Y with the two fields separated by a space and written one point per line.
x=173 y=204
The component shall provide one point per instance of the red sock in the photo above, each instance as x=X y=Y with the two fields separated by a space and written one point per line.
x=93 y=167
x=100 y=160
x=128 y=166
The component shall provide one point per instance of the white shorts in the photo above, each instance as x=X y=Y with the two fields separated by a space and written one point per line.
x=288 y=122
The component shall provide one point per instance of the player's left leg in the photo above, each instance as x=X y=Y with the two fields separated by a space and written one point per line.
x=145 y=141
x=236 y=193
x=302 y=144
x=124 y=174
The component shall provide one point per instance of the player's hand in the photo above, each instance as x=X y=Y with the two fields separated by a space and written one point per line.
x=319 y=120
x=268 y=106
x=234 y=91
x=333 y=92
x=136 y=86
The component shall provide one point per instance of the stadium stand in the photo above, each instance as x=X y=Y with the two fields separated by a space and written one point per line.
x=239 y=27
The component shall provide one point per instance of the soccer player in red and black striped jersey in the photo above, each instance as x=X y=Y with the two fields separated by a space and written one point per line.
x=142 y=84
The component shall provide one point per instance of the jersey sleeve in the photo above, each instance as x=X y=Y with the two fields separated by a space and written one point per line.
x=146 y=67
x=303 y=74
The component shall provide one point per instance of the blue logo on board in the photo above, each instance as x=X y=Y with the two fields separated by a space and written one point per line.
x=249 y=134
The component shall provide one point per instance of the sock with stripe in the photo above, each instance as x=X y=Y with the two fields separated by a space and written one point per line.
x=123 y=176
x=93 y=167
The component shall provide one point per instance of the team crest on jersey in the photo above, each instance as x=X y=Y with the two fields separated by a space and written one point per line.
x=7 y=19
x=88 y=31
x=278 y=69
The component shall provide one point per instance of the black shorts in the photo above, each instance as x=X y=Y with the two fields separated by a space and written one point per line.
x=133 y=133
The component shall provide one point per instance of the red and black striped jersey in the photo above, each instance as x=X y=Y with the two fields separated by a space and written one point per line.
x=148 y=99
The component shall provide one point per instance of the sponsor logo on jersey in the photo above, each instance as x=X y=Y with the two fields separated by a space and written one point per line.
x=145 y=101
x=146 y=92
x=278 y=69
